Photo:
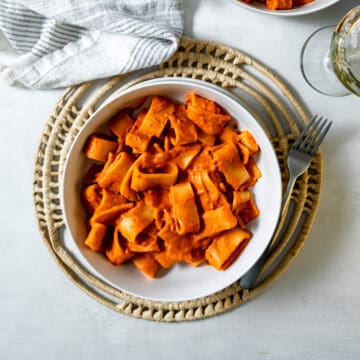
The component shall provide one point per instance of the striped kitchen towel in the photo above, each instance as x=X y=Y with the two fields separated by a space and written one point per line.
x=56 y=43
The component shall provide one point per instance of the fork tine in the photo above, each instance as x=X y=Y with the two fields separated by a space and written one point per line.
x=318 y=131
x=303 y=132
x=321 y=138
x=310 y=134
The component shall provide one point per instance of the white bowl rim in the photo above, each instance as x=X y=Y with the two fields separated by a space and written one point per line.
x=303 y=10
x=170 y=81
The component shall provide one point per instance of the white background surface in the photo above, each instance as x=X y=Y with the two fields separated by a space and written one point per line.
x=312 y=312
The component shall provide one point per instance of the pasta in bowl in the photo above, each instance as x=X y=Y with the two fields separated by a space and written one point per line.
x=169 y=207
x=285 y=7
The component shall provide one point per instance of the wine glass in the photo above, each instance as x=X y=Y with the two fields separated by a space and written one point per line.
x=332 y=53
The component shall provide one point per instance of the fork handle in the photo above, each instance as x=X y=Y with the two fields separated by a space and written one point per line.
x=286 y=196
x=249 y=279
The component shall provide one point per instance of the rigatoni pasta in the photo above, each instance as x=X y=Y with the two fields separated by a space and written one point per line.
x=171 y=184
x=280 y=4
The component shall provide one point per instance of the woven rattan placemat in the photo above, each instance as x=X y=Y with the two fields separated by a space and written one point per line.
x=267 y=97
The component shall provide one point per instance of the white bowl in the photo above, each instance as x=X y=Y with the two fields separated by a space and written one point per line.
x=182 y=282
x=316 y=5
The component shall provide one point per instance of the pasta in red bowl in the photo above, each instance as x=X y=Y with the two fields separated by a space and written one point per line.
x=168 y=177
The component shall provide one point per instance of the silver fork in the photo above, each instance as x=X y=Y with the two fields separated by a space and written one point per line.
x=300 y=155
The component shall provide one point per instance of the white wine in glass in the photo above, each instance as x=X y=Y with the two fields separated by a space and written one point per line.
x=330 y=57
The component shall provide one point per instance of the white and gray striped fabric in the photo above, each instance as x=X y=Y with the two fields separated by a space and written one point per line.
x=58 y=43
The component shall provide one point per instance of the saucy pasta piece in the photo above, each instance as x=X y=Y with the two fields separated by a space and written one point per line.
x=208 y=194
x=157 y=116
x=98 y=148
x=110 y=215
x=136 y=139
x=225 y=247
x=96 y=236
x=145 y=179
x=184 y=155
x=184 y=131
x=228 y=161
x=109 y=208
x=112 y=177
x=91 y=197
x=118 y=252
x=119 y=126
x=185 y=211
x=147 y=263
x=147 y=241
x=211 y=123
x=247 y=139
x=134 y=221
x=215 y=221
x=230 y=135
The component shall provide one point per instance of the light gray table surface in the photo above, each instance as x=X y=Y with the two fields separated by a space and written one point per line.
x=312 y=312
